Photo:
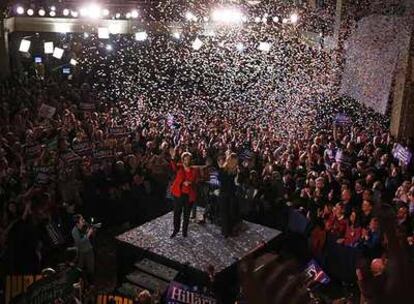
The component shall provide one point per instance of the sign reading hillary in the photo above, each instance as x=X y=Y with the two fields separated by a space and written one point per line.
x=315 y=272
x=182 y=294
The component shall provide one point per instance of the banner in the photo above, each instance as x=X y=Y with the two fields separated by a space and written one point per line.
x=46 y=111
x=182 y=294
x=82 y=148
x=315 y=272
x=341 y=119
x=102 y=154
x=118 y=131
x=402 y=154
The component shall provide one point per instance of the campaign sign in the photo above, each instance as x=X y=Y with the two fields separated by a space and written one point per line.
x=182 y=294
x=46 y=111
x=402 y=154
x=82 y=148
x=315 y=272
x=102 y=153
x=118 y=131
x=341 y=119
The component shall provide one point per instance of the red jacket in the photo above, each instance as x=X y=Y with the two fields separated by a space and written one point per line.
x=177 y=187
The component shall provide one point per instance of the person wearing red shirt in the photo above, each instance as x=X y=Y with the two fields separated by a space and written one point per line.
x=184 y=191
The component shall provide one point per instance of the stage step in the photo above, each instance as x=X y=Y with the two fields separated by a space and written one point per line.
x=129 y=290
x=158 y=270
x=147 y=281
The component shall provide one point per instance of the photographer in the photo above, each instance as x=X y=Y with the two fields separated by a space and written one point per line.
x=82 y=234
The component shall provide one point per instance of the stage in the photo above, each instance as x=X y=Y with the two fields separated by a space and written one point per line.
x=204 y=245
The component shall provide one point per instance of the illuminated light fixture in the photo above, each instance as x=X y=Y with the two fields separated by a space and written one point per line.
x=30 y=12
x=134 y=14
x=197 y=44
x=275 y=19
x=62 y=27
x=41 y=12
x=227 y=15
x=52 y=13
x=48 y=47
x=53 y=8
x=103 y=33
x=284 y=20
x=205 y=19
x=114 y=28
x=24 y=46
x=264 y=19
x=190 y=16
x=105 y=12
x=74 y=14
x=240 y=47
x=20 y=10
x=108 y=47
x=58 y=53
x=128 y=15
x=176 y=34
x=66 y=12
x=117 y=15
x=294 y=18
x=85 y=35
x=264 y=46
x=73 y=62
x=257 y=19
x=92 y=11
x=141 y=36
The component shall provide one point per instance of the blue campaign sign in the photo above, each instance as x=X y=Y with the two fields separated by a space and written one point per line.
x=182 y=294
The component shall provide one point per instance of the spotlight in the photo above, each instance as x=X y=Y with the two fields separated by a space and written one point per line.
x=48 y=47
x=128 y=15
x=52 y=13
x=257 y=19
x=65 y=12
x=275 y=19
x=24 y=46
x=240 y=47
x=85 y=35
x=134 y=14
x=74 y=14
x=41 y=12
x=103 y=33
x=176 y=35
x=264 y=19
x=190 y=16
x=73 y=62
x=92 y=11
x=108 y=47
x=227 y=15
x=205 y=19
x=141 y=36
x=294 y=18
x=264 y=46
x=58 y=53
x=117 y=15
x=30 y=12
x=53 y=8
x=105 y=12
x=284 y=20
x=20 y=10
x=197 y=43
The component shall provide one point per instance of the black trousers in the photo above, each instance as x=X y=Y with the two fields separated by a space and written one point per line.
x=229 y=213
x=182 y=205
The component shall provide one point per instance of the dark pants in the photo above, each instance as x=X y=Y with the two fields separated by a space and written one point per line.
x=229 y=213
x=182 y=205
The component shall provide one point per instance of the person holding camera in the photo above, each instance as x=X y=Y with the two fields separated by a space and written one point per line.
x=82 y=233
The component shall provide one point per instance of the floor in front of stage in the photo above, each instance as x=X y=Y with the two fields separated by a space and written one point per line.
x=204 y=245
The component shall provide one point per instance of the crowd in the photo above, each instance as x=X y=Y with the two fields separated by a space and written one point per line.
x=101 y=143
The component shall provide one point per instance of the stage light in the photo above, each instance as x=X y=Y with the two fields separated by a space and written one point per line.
x=176 y=35
x=205 y=19
x=52 y=13
x=30 y=12
x=227 y=15
x=117 y=15
x=257 y=19
x=53 y=8
x=264 y=46
x=134 y=14
x=190 y=16
x=65 y=12
x=108 y=47
x=42 y=12
x=284 y=20
x=294 y=18
x=105 y=12
x=264 y=19
x=20 y=10
x=48 y=47
x=275 y=19
x=74 y=14
x=103 y=33
x=73 y=62
x=83 y=12
x=24 y=46
x=141 y=36
x=58 y=53
x=85 y=35
x=197 y=43
x=128 y=15
x=240 y=47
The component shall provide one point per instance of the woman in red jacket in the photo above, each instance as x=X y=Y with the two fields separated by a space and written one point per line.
x=184 y=191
